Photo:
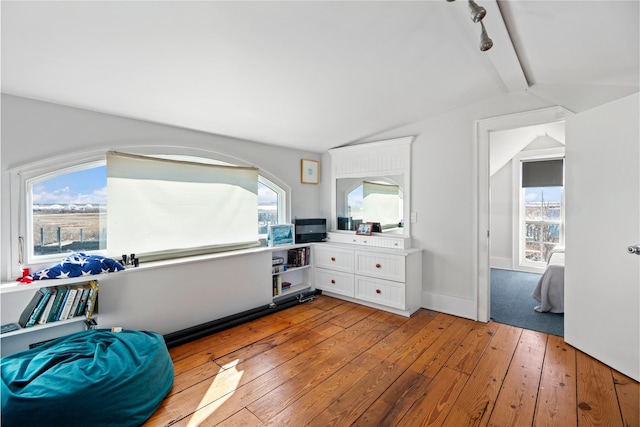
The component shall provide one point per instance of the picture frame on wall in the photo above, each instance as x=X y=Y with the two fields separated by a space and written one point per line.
x=364 y=229
x=309 y=171
x=280 y=234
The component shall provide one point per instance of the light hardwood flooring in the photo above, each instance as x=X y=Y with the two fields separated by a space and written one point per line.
x=329 y=362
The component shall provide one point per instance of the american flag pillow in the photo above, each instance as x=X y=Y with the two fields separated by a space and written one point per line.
x=76 y=265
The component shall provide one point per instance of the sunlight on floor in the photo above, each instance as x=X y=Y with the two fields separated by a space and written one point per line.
x=227 y=379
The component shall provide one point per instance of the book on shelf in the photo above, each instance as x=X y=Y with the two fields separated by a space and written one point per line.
x=91 y=324
x=277 y=285
x=277 y=260
x=83 y=300
x=299 y=257
x=39 y=343
x=68 y=303
x=278 y=268
x=9 y=327
x=60 y=294
x=92 y=300
x=47 y=308
x=286 y=286
x=31 y=306
x=292 y=257
x=35 y=316
x=63 y=303
x=76 y=302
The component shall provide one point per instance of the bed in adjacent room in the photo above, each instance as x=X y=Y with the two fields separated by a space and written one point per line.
x=550 y=289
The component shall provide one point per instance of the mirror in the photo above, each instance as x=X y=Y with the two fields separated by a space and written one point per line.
x=371 y=182
x=370 y=199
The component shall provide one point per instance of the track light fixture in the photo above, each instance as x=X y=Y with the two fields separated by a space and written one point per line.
x=477 y=15
x=485 y=42
x=477 y=12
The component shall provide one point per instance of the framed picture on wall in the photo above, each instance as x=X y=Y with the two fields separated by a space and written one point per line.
x=309 y=171
x=364 y=229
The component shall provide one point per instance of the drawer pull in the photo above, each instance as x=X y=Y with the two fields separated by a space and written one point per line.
x=378 y=291
x=333 y=258
x=333 y=282
x=378 y=266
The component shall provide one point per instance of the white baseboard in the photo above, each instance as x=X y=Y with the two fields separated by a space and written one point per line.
x=448 y=304
x=501 y=262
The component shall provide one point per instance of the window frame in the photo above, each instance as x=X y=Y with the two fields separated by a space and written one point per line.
x=30 y=256
x=23 y=176
x=519 y=260
x=283 y=212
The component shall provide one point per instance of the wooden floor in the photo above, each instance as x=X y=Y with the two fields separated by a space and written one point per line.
x=330 y=362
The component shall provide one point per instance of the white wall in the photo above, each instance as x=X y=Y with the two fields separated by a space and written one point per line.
x=33 y=131
x=502 y=218
x=444 y=176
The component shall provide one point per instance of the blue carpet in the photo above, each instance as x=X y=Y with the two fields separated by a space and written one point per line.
x=512 y=303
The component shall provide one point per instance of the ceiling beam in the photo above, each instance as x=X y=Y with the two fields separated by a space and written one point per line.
x=503 y=55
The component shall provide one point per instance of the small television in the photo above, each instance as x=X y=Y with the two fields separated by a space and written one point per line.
x=310 y=230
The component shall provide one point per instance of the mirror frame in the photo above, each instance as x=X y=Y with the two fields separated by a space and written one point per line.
x=383 y=158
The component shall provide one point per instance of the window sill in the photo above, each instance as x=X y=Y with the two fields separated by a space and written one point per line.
x=15 y=286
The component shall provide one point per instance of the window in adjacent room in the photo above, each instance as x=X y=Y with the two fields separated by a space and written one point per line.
x=541 y=209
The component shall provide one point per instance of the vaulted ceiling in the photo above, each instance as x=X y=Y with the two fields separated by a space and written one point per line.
x=313 y=75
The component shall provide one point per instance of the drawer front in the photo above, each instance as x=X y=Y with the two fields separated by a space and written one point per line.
x=334 y=258
x=384 y=292
x=383 y=266
x=335 y=281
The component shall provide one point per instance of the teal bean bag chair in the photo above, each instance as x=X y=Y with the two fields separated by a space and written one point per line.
x=91 y=378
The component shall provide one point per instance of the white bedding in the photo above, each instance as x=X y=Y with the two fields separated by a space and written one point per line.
x=550 y=288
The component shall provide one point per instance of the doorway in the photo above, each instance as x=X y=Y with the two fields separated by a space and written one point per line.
x=485 y=130
x=526 y=221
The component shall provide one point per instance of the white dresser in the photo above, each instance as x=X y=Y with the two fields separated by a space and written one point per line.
x=388 y=279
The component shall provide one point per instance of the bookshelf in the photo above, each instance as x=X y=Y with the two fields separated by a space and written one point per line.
x=291 y=269
x=14 y=297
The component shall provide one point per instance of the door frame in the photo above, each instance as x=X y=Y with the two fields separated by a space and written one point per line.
x=483 y=129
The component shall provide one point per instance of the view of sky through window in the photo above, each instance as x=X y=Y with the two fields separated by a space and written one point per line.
x=88 y=186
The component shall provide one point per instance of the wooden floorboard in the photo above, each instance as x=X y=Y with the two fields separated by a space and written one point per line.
x=334 y=363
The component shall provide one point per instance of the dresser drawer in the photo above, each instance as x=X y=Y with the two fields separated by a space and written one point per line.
x=384 y=292
x=383 y=266
x=334 y=258
x=335 y=281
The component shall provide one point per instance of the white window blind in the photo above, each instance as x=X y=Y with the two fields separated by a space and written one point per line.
x=161 y=206
x=380 y=203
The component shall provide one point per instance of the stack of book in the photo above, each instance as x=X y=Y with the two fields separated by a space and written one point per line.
x=299 y=257
x=277 y=285
x=55 y=303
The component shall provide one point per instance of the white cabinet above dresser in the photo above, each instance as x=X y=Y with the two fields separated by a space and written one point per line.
x=389 y=279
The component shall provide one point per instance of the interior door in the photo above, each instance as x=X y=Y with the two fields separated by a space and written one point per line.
x=602 y=279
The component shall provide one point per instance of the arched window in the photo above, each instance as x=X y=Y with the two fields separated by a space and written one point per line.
x=66 y=209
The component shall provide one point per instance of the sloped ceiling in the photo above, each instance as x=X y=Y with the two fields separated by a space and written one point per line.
x=505 y=144
x=313 y=75
x=578 y=54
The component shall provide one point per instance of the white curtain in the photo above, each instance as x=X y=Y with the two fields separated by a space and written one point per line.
x=161 y=206
x=381 y=203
